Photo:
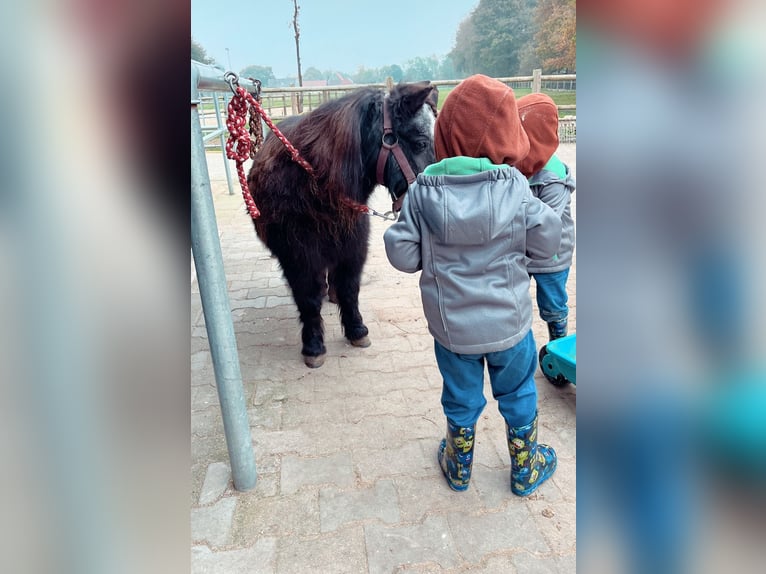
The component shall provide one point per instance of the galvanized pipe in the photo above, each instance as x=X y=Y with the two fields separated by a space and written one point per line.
x=220 y=124
x=208 y=261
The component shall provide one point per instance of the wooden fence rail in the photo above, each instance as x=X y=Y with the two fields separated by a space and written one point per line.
x=280 y=103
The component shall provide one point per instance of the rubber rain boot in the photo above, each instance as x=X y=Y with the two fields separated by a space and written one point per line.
x=557 y=329
x=456 y=456
x=531 y=463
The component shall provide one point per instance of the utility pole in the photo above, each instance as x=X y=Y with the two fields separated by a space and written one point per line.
x=228 y=58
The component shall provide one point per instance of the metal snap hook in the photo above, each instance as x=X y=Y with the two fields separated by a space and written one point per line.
x=232 y=79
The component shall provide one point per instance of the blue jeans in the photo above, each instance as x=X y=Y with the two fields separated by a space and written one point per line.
x=511 y=374
x=552 y=295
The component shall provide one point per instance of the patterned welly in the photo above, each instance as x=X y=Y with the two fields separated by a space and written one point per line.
x=456 y=455
x=531 y=463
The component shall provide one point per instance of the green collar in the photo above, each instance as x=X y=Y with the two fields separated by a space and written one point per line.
x=556 y=166
x=461 y=165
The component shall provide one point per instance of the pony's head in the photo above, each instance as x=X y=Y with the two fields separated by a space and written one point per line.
x=412 y=113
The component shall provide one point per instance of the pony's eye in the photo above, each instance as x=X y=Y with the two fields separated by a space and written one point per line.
x=421 y=146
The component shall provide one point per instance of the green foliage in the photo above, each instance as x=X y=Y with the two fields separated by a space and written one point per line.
x=557 y=36
x=262 y=73
x=394 y=71
x=313 y=73
x=199 y=54
x=494 y=39
x=367 y=76
x=421 y=69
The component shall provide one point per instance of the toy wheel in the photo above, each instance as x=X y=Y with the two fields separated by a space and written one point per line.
x=547 y=367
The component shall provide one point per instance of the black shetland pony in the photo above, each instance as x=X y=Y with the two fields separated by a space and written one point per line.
x=313 y=223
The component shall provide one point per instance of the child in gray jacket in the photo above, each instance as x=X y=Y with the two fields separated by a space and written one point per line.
x=552 y=182
x=468 y=224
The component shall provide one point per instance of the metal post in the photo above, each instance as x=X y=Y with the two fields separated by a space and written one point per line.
x=223 y=143
x=208 y=261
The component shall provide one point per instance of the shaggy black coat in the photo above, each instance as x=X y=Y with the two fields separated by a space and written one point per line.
x=310 y=224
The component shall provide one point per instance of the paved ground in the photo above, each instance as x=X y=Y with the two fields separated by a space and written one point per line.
x=346 y=454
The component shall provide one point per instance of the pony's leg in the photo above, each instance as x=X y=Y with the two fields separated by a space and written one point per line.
x=347 y=279
x=332 y=296
x=307 y=290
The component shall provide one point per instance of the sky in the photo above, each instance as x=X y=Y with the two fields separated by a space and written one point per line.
x=341 y=35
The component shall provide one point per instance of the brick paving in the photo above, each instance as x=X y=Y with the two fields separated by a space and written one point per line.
x=346 y=454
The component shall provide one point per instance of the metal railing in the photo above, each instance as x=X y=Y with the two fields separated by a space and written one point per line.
x=208 y=262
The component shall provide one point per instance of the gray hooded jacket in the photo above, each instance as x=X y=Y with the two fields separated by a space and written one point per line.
x=555 y=191
x=470 y=235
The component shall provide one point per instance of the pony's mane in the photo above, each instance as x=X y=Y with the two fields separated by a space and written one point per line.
x=332 y=140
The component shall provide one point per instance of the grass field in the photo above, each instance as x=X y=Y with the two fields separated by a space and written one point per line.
x=561 y=98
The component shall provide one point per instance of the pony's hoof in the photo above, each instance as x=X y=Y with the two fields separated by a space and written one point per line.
x=363 y=342
x=314 y=362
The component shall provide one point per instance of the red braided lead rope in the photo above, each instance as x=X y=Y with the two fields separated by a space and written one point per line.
x=239 y=137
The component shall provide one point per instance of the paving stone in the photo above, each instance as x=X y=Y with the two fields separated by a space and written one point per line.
x=557 y=523
x=208 y=449
x=284 y=516
x=346 y=454
x=568 y=564
x=212 y=524
x=266 y=417
x=293 y=441
x=498 y=565
x=200 y=360
x=389 y=547
x=565 y=478
x=532 y=564
x=216 y=481
x=204 y=396
x=492 y=486
x=298 y=413
x=431 y=495
x=479 y=535
x=207 y=422
x=387 y=462
x=341 y=552
x=333 y=469
x=492 y=565
x=340 y=507
x=260 y=558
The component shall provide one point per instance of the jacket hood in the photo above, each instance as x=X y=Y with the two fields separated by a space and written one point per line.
x=540 y=120
x=479 y=118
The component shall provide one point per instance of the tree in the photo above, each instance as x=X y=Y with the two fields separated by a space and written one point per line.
x=464 y=54
x=492 y=39
x=199 y=53
x=366 y=75
x=394 y=71
x=315 y=74
x=528 y=59
x=446 y=70
x=556 y=38
x=262 y=73
x=421 y=68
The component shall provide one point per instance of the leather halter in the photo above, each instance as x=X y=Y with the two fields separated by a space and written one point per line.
x=386 y=149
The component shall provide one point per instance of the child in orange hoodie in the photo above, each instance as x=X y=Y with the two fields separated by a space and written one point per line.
x=551 y=181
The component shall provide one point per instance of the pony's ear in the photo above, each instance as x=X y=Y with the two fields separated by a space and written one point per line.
x=411 y=97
